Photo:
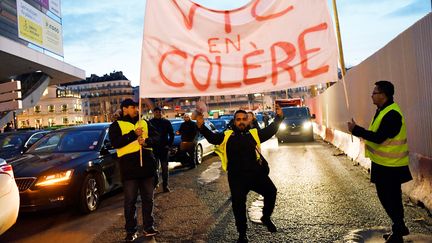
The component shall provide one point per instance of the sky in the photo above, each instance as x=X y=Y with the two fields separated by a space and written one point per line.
x=105 y=36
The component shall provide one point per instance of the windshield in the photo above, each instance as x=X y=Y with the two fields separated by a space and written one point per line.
x=12 y=141
x=296 y=113
x=219 y=123
x=176 y=126
x=68 y=141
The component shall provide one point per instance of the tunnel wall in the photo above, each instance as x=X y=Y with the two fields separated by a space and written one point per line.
x=406 y=62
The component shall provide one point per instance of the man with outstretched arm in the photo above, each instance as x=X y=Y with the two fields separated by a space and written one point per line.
x=237 y=148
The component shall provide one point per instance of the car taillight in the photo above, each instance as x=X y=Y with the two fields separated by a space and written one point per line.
x=6 y=169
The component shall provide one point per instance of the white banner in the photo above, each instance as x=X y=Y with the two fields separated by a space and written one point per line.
x=267 y=45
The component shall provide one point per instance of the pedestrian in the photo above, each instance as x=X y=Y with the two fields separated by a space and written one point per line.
x=127 y=135
x=188 y=131
x=8 y=127
x=166 y=139
x=237 y=148
x=387 y=148
x=253 y=122
x=266 y=119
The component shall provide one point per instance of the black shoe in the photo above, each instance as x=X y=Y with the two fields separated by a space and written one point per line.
x=166 y=189
x=403 y=232
x=243 y=238
x=130 y=237
x=150 y=232
x=394 y=238
x=269 y=224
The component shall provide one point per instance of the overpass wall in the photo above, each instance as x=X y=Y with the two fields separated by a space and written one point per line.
x=406 y=62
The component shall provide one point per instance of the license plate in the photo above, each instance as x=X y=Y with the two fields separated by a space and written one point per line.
x=295 y=133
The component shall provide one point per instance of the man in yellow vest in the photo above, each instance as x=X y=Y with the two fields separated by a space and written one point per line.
x=127 y=135
x=238 y=149
x=386 y=146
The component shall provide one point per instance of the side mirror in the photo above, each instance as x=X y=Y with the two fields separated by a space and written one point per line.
x=106 y=147
x=313 y=116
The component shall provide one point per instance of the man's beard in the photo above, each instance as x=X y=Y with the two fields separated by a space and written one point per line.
x=241 y=126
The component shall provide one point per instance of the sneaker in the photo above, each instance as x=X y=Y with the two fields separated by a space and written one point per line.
x=403 y=231
x=150 y=232
x=166 y=189
x=130 y=237
x=394 y=238
x=243 y=238
x=269 y=224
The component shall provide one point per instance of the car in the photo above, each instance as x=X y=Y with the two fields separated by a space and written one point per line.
x=227 y=117
x=220 y=124
x=202 y=149
x=296 y=124
x=69 y=166
x=9 y=197
x=15 y=143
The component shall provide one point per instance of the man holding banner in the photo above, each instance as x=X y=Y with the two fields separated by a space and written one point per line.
x=128 y=135
x=239 y=151
x=387 y=148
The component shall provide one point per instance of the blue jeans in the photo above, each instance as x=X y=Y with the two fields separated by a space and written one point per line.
x=131 y=188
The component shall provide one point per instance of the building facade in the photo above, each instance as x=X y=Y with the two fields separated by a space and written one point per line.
x=57 y=107
x=102 y=96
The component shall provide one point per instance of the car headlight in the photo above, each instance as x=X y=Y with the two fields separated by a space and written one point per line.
x=282 y=126
x=60 y=178
x=307 y=125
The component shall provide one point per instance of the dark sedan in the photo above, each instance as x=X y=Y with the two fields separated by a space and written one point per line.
x=16 y=142
x=74 y=165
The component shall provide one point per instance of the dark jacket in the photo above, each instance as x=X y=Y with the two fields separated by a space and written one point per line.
x=188 y=131
x=241 y=147
x=130 y=167
x=389 y=127
x=165 y=130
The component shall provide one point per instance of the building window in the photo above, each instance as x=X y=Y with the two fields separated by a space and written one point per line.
x=212 y=98
x=37 y=109
x=65 y=120
x=51 y=108
x=77 y=107
x=64 y=107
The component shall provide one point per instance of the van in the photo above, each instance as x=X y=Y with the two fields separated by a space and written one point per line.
x=296 y=124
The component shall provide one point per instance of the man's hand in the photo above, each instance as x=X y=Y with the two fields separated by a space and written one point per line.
x=278 y=111
x=351 y=125
x=141 y=141
x=199 y=120
x=139 y=131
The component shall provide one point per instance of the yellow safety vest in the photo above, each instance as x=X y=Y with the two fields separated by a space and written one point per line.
x=393 y=152
x=221 y=148
x=134 y=146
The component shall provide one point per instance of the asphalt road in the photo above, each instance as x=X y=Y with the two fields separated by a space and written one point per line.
x=67 y=224
x=322 y=197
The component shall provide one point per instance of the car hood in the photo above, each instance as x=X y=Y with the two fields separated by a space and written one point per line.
x=295 y=122
x=32 y=165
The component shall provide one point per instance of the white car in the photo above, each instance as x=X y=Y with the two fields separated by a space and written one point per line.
x=203 y=147
x=9 y=197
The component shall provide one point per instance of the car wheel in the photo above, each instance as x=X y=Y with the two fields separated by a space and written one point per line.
x=90 y=194
x=198 y=154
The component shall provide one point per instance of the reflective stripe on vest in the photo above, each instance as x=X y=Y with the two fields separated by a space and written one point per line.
x=221 y=148
x=134 y=146
x=393 y=152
